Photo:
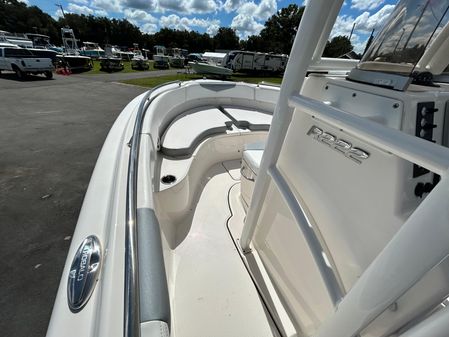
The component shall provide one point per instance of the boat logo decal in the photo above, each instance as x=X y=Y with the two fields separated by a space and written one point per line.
x=84 y=273
x=344 y=147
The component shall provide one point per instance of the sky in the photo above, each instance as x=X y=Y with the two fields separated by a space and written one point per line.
x=247 y=17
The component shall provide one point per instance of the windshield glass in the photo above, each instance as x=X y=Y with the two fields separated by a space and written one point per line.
x=17 y=52
x=403 y=40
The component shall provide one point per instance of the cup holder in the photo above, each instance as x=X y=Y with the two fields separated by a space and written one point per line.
x=168 y=179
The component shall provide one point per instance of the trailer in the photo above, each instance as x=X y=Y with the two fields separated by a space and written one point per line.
x=251 y=62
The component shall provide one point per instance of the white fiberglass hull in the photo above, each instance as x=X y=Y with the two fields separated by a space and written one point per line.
x=207 y=68
x=106 y=219
x=326 y=226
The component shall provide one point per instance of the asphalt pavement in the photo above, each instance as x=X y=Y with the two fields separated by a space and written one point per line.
x=51 y=132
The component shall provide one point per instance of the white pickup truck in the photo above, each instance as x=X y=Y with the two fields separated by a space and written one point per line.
x=23 y=62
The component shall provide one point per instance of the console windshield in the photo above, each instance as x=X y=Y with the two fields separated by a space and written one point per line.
x=406 y=35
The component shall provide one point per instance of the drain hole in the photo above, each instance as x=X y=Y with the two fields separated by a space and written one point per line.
x=168 y=179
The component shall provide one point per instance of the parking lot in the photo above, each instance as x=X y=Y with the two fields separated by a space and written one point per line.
x=51 y=132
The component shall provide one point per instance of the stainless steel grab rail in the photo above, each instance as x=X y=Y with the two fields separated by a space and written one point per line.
x=131 y=324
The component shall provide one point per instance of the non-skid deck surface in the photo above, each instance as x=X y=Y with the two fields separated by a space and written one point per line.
x=214 y=295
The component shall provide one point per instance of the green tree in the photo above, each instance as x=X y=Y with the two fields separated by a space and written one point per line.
x=338 y=46
x=255 y=43
x=17 y=17
x=226 y=39
x=280 y=29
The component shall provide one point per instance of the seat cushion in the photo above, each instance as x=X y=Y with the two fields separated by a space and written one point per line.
x=187 y=131
x=252 y=155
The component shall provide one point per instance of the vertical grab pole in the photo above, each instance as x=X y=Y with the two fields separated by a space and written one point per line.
x=307 y=38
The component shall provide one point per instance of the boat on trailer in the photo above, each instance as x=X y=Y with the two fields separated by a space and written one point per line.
x=161 y=61
x=38 y=44
x=319 y=208
x=92 y=50
x=139 y=61
x=71 y=57
x=208 y=68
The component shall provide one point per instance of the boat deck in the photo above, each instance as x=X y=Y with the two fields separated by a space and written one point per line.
x=214 y=294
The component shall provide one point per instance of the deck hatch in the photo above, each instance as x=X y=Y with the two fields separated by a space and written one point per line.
x=84 y=273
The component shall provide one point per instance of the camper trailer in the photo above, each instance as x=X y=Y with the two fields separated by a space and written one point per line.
x=246 y=61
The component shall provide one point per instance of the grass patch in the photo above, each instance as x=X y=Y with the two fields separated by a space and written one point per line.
x=154 y=81
x=127 y=68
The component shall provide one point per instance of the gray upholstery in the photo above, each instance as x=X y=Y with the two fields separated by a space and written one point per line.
x=154 y=300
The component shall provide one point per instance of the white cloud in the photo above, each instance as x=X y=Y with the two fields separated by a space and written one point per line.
x=232 y=5
x=187 y=6
x=367 y=22
x=77 y=9
x=203 y=6
x=366 y=4
x=81 y=2
x=250 y=16
x=101 y=12
x=266 y=9
x=149 y=28
x=107 y=5
x=150 y=5
x=212 y=29
x=247 y=9
x=246 y=25
x=364 y=24
x=26 y=2
x=173 y=21
x=260 y=12
x=180 y=6
x=58 y=14
x=139 y=15
x=80 y=9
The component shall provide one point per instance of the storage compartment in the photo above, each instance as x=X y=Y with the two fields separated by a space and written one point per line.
x=252 y=156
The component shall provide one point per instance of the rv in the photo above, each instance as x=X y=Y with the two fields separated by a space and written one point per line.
x=247 y=61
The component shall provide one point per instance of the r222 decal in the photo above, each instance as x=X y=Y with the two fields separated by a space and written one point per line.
x=354 y=153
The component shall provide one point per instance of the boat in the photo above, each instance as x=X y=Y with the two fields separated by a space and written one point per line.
x=71 y=57
x=18 y=39
x=126 y=55
x=208 y=68
x=110 y=64
x=92 y=50
x=6 y=43
x=111 y=61
x=319 y=208
x=176 y=61
x=161 y=62
x=175 y=58
x=43 y=42
x=36 y=43
x=160 y=57
x=139 y=62
x=192 y=57
x=159 y=50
